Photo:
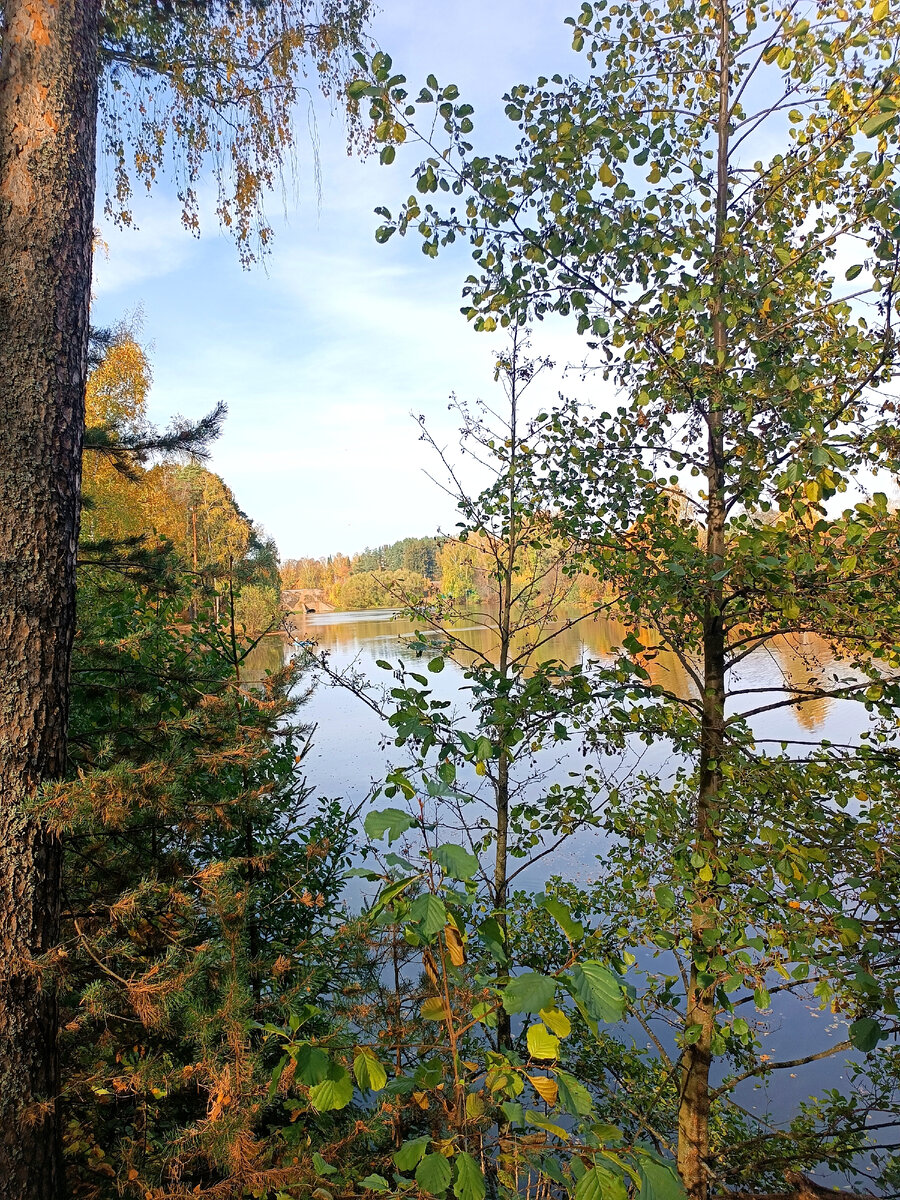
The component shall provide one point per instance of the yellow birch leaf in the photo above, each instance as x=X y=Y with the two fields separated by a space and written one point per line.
x=541 y=1042
x=545 y=1087
x=434 y=1009
x=556 y=1020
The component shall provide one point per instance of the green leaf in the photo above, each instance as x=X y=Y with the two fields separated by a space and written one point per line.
x=368 y=1071
x=469 y=1183
x=529 y=993
x=761 y=998
x=433 y=1174
x=492 y=936
x=573 y=929
x=541 y=1042
x=600 y=1183
x=312 y=1065
x=878 y=123
x=436 y=665
x=410 y=1153
x=556 y=1021
x=607 y=1133
x=483 y=749
x=659 y=1180
x=334 y=1092
x=541 y=1122
x=513 y=1112
x=434 y=1008
x=573 y=1096
x=551 y=1167
x=390 y=821
x=853 y=271
x=865 y=1034
x=374 y=1183
x=455 y=861
x=429 y=914
x=391 y=892
x=321 y=1166
x=599 y=991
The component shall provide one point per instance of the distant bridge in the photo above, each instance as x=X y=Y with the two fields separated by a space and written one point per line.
x=306 y=600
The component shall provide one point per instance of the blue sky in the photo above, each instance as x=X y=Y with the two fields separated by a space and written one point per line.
x=322 y=353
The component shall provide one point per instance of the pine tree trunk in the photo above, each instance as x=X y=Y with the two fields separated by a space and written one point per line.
x=48 y=111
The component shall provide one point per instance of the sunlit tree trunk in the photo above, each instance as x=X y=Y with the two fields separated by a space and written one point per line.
x=694 y=1101
x=48 y=109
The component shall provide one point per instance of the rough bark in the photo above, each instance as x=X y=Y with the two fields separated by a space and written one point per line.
x=48 y=109
x=694 y=1099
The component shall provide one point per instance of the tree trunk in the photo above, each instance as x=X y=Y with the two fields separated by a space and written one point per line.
x=48 y=112
x=506 y=575
x=694 y=1098
x=700 y=1013
x=501 y=868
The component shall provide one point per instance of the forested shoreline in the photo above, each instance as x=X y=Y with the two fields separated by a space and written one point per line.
x=397 y=574
x=218 y=981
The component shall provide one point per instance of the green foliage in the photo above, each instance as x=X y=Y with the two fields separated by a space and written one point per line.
x=417 y=556
x=664 y=204
x=505 y=1109
x=257 y=610
x=379 y=589
x=529 y=993
x=390 y=821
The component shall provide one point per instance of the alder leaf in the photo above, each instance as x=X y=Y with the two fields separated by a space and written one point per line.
x=469 y=1183
x=599 y=991
x=455 y=861
x=433 y=1174
x=410 y=1153
x=368 y=1071
x=529 y=993
x=390 y=821
x=332 y=1093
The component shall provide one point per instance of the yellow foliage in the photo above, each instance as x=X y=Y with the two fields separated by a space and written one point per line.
x=116 y=398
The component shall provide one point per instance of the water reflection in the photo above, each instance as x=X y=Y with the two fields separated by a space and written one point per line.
x=267 y=656
x=792 y=663
x=352 y=744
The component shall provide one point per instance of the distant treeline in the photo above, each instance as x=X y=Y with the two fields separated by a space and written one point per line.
x=411 y=568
